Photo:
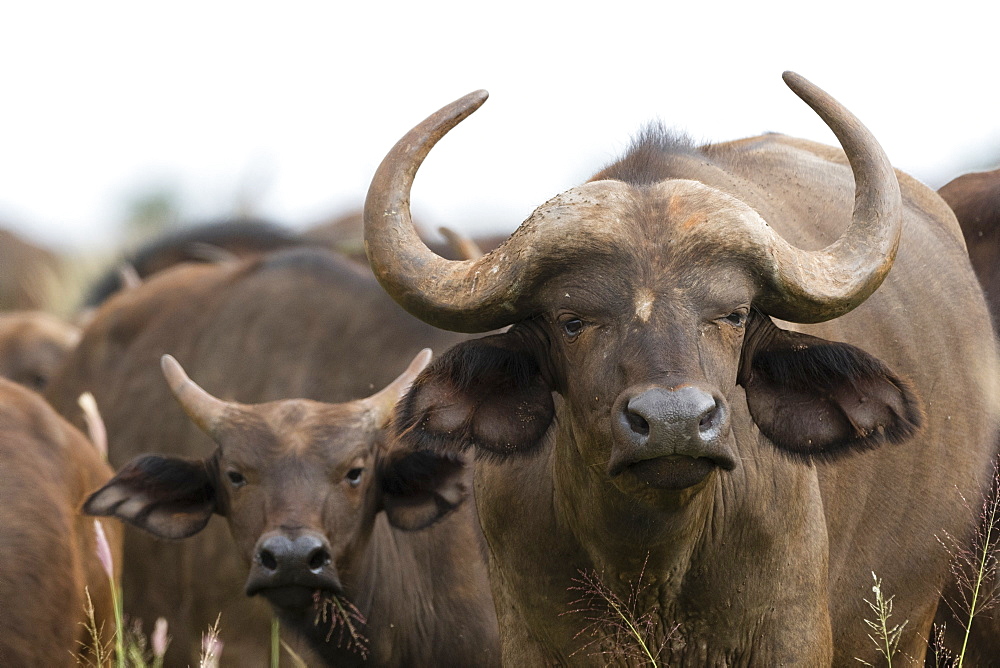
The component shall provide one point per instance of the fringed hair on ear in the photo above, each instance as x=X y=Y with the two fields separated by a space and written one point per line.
x=167 y=496
x=817 y=398
x=479 y=394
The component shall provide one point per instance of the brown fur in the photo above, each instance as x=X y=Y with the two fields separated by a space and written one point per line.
x=975 y=199
x=32 y=346
x=47 y=548
x=298 y=323
x=236 y=238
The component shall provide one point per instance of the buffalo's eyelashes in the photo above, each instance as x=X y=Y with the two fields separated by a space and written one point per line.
x=572 y=327
x=236 y=478
x=353 y=476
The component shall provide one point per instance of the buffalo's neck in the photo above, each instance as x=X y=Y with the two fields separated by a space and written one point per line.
x=400 y=589
x=350 y=630
x=743 y=554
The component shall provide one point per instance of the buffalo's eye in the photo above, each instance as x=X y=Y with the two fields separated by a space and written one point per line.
x=572 y=327
x=737 y=318
x=236 y=478
x=353 y=476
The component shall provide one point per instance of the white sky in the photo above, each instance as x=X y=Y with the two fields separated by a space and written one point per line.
x=297 y=102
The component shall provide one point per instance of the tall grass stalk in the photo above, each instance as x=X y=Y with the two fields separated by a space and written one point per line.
x=275 y=642
x=104 y=556
x=885 y=638
x=211 y=646
x=101 y=651
x=974 y=566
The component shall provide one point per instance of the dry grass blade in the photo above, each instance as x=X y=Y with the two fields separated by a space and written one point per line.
x=95 y=653
x=344 y=619
x=211 y=647
x=297 y=660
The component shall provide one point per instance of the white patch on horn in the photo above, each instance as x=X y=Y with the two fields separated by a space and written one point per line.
x=644 y=304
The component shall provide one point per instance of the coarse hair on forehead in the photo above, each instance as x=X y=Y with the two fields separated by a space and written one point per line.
x=650 y=156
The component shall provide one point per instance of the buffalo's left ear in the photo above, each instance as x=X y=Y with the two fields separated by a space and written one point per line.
x=169 y=497
x=419 y=488
x=811 y=396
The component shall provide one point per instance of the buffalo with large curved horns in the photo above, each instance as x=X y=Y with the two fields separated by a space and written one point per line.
x=739 y=379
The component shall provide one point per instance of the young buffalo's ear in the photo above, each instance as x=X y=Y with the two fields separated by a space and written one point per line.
x=166 y=496
x=419 y=488
x=811 y=396
x=486 y=393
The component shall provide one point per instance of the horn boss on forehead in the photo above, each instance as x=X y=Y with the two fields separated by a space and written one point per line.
x=495 y=290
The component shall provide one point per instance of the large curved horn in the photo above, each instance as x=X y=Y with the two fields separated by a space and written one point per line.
x=813 y=286
x=487 y=293
x=204 y=410
x=467 y=295
x=475 y=295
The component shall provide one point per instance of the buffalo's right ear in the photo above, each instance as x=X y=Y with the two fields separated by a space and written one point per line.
x=486 y=393
x=166 y=496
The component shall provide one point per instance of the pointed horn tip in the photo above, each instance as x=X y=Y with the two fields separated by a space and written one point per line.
x=480 y=95
x=172 y=371
x=420 y=362
x=796 y=82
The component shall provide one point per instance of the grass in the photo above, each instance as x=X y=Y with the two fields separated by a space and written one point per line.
x=343 y=618
x=974 y=566
x=886 y=638
x=617 y=629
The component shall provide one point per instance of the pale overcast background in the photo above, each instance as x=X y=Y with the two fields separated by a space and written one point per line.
x=285 y=109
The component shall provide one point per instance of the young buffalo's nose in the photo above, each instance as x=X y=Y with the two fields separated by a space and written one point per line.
x=279 y=553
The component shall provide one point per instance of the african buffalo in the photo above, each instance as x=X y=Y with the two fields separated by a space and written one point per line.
x=326 y=511
x=656 y=428
x=32 y=346
x=47 y=547
x=975 y=199
x=300 y=322
x=208 y=242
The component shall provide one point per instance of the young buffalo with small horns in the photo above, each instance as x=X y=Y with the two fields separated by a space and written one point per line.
x=329 y=515
x=715 y=404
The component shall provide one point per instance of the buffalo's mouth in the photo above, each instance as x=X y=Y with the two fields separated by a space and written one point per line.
x=295 y=590
x=672 y=472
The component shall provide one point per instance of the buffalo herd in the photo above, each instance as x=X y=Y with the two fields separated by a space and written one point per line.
x=719 y=405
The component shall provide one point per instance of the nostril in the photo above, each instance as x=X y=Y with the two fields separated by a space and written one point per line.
x=637 y=423
x=318 y=559
x=708 y=418
x=714 y=420
x=267 y=560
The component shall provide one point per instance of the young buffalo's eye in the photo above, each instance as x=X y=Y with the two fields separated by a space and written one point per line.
x=236 y=478
x=572 y=328
x=353 y=476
